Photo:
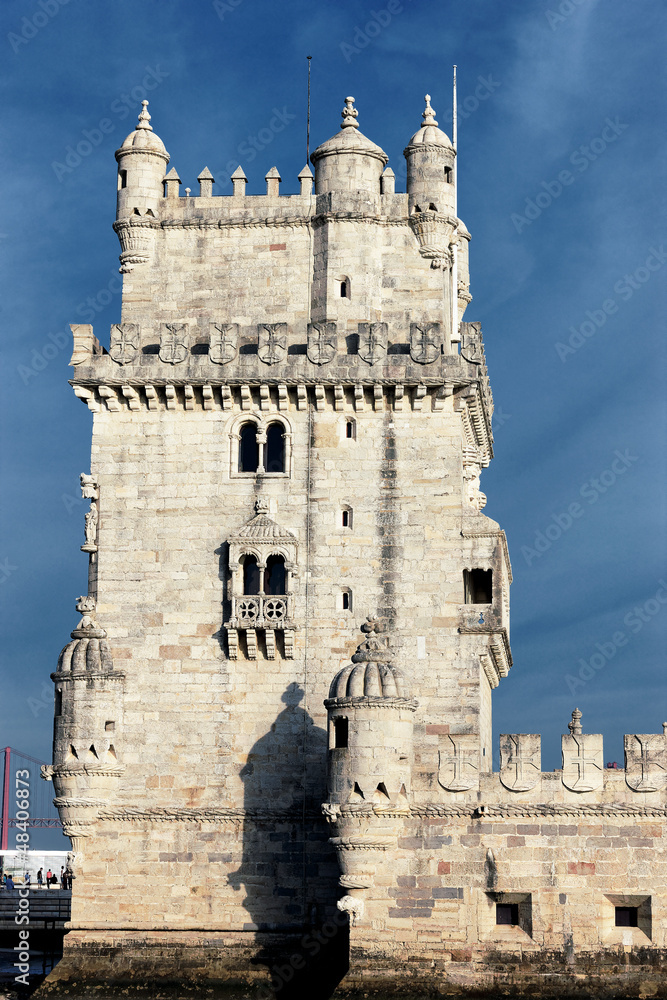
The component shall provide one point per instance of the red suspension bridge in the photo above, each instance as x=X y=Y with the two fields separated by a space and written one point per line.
x=27 y=801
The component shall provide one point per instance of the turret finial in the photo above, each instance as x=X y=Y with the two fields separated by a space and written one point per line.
x=144 y=117
x=349 y=114
x=575 y=725
x=429 y=114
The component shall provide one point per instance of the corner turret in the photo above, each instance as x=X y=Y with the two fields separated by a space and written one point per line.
x=370 y=752
x=348 y=161
x=142 y=162
x=430 y=164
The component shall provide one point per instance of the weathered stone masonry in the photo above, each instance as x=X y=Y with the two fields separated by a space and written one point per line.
x=288 y=438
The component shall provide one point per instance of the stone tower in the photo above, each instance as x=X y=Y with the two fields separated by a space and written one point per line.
x=288 y=437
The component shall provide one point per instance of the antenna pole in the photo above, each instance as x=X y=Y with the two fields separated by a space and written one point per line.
x=309 y=58
x=455 y=247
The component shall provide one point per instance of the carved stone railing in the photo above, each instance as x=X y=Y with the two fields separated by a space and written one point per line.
x=261 y=611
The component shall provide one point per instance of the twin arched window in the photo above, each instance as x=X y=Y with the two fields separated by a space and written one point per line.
x=273 y=580
x=271 y=450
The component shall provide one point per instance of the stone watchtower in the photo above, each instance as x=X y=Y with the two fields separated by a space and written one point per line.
x=288 y=435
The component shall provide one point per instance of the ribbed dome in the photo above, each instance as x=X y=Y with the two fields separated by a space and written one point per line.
x=262 y=526
x=369 y=680
x=429 y=134
x=349 y=140
x=91 y=655
x=143 y=137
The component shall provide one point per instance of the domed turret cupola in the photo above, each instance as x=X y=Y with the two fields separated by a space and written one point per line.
x=142 y=164
x=430 y=162
x=348 y=162
x=370 y=725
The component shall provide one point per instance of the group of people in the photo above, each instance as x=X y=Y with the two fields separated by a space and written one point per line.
x=65 y=880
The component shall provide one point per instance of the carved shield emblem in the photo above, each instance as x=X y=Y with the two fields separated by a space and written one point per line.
x=583 y=761
x=173 y=343
x=271 y=342
x=458 y=767
x=372 y=342
x=646 y=762
x=520 y=761
x=124 y=345
x=472 y=347
x=424 y=342
x=224 y=340
x=321 y=342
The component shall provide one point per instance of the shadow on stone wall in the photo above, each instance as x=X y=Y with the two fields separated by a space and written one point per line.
x=288 y=870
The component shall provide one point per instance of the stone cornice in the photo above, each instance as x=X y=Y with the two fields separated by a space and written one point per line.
x=469 y=811
x=502 y=538
x=259 y=221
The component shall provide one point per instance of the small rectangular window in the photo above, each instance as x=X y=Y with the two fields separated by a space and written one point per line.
x=626 y=916
x=349 y=429
x=507 y=913
x=59 y=702
x=122 y=178
x=478 y=586
x=340 y=733
x=109 y=727
x=346 y=518
x=346 y=601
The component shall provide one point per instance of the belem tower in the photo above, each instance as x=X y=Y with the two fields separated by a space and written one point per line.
x=272 y=748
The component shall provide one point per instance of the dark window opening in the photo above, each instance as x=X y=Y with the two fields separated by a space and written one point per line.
x=507 y=913
x=478 y=586
x=275 y=448
x=274 y=575
x=248 y=449
x=250 y=575
x=346 y=600
x=416 y=209
x=341 y=733
x=343 y=289
x=346 y=518
x=448 y=174
x=349 y=429
x=626 y=916
x=122 y=174
x=59 y=702
x=432 y=208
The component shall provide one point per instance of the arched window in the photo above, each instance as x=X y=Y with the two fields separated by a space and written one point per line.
x=274 y=575
x=250 y=575
x=350 y=429
x=275 y=448
x=448 y=175
x=248 y=448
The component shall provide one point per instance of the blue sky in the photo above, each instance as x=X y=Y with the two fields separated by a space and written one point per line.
x=561 y=184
